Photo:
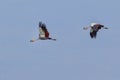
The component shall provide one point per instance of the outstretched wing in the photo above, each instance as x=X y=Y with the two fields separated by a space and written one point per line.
x=41 y=31
x=44 y=34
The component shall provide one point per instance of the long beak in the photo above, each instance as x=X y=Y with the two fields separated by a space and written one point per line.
x=33 y=40
x=85 y=28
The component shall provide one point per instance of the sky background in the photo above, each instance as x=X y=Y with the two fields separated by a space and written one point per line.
x=74 y=56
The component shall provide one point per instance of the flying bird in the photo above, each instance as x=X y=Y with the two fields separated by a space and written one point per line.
x=43 y=33
x=94 y=28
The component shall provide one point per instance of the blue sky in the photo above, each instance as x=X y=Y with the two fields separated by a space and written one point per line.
x=74 y=56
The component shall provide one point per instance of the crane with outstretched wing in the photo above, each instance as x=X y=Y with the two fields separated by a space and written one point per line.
x=43 y=33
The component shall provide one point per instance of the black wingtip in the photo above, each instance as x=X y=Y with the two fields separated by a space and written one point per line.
x=40 y=23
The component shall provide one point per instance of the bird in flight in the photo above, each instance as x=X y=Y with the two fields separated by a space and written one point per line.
x=43 y=33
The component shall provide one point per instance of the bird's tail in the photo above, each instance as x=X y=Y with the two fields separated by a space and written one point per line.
x=105 y=27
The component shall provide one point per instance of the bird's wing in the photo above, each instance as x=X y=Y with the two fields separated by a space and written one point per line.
x=41 y=33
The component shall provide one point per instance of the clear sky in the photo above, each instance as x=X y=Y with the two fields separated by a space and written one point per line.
x=74 y=56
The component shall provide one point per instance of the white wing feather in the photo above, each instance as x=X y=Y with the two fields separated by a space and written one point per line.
x=42 y=33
